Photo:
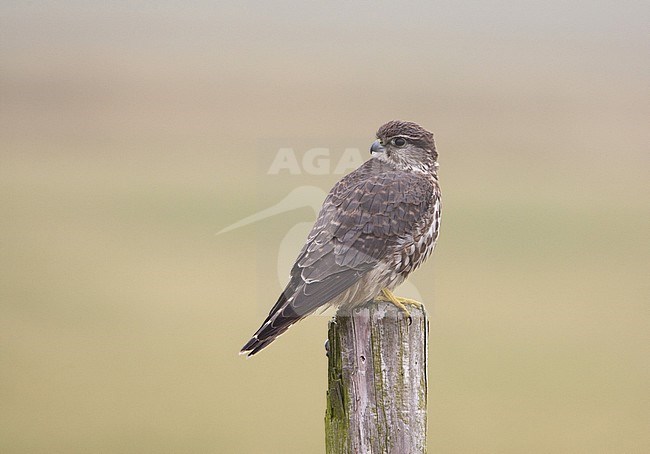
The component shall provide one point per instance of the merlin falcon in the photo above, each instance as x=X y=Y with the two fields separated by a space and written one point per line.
x=376 y=226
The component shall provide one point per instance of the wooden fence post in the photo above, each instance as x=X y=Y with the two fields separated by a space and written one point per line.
x=377 y=385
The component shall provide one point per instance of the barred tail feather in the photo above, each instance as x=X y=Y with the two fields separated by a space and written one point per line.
x=301 y=298
x=277 y=323
x=272 y=329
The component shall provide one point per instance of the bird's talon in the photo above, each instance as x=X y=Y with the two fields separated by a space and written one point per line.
x=400 y=303
x=410 y=302
x=387 y=295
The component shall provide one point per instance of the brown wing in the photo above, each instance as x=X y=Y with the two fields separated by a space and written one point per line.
x=366 y=213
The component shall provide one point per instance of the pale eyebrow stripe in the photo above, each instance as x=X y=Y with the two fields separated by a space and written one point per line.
x=404 y=136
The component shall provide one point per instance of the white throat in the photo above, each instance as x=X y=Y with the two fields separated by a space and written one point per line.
x=406 y=165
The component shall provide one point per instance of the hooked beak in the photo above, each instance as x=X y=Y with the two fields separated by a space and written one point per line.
x=377 y=147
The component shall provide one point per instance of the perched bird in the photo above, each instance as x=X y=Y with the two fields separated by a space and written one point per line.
x=376 y=226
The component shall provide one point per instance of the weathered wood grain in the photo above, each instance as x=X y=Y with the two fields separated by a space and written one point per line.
x=377 y=393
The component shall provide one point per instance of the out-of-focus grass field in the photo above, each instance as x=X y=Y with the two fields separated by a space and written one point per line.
x=130 y=135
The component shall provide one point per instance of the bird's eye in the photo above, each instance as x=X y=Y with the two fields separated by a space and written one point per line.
x=399 y=141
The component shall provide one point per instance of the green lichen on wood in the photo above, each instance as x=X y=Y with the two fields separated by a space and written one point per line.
x=336 y=418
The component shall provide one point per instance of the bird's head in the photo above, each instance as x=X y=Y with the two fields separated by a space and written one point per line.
x=407 y=145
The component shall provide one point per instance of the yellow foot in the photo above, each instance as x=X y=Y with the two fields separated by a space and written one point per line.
x=401 y=303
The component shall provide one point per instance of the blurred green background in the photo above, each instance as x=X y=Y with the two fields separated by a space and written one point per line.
x=131 y=133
